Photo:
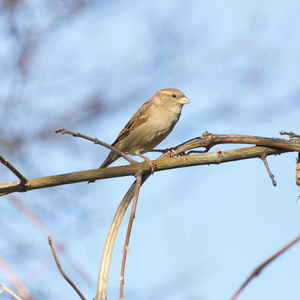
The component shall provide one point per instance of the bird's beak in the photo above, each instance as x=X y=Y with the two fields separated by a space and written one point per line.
x=184 y=100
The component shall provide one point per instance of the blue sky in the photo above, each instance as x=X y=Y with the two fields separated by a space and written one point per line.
x=198 y=232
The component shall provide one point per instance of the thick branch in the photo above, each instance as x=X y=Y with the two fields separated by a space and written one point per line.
x=207 y=141
x=130 y=170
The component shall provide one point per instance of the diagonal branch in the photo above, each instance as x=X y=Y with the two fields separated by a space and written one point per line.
x=62 y=271
x=5 y=288
x=257 y=271
x=45 y=230
x=22 y=178
x=264 y=159
x=96 y=141
x=18 y=284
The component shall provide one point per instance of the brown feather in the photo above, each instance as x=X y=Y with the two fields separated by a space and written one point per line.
x=136 y=120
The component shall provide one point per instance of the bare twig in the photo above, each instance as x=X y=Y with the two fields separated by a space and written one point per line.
x=22 y=178
x=6 y=288
x=298 y=170
x=132 y=216
x=19 y=286
x=96 y=141
x=62 y=271
x=45 y=230
x=264 y=159
x=263 y=265
x=291 y=134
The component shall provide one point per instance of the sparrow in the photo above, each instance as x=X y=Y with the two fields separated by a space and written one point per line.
x=150 y=125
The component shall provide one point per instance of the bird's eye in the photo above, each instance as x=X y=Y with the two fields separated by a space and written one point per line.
x=174 y=96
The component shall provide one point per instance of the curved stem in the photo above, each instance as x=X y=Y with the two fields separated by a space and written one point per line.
x=110 y=240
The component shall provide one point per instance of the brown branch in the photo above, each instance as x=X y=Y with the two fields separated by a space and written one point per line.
x=96 y=141
x=23 y=179
x=132 y=216
x=208 y=140
x=257 y=271
x=264 y=159
x=272 y=147
x=291 y=134
x=45 y=230
x=62 y=271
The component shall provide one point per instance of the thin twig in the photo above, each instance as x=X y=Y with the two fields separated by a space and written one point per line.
x=298 y=170
x=6 y=288
x=45 y=230
x=22 y=178
x=130 y=170
x=132 y=216
x=62 y=271
x=263 y=265
x=264 y=159
x=17 y=283
x=96 y=141
x=291 y=134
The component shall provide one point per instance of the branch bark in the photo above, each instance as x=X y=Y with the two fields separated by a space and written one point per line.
x=207 y=141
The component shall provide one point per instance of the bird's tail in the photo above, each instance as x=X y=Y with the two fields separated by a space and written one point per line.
x=113 y=156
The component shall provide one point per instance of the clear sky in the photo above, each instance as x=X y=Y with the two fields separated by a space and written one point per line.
x=198 y=232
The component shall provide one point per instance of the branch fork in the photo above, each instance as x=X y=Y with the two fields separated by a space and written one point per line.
x=263 y=148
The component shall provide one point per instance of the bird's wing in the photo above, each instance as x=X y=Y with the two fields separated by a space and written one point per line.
x=140 y=117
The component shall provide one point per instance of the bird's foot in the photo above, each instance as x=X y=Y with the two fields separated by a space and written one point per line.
x=171 y=152
x=151 y=164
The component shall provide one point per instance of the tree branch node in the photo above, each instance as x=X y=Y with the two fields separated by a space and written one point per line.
x=291 y=134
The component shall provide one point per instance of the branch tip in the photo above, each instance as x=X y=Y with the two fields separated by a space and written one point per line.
x=291 y=134
x=23 y=180
x=257 y=271
x=62 y=271
x=96 y=141
x=264 y=159
x=60 y=129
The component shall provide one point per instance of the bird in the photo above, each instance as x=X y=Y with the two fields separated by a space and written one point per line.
x=150 y=125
